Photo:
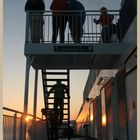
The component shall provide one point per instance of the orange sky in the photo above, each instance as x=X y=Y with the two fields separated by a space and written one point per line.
x=15 y=99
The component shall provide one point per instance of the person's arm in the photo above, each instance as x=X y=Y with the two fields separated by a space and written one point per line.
x=50 y=91
x=96 y=21
x=100 y=20
x=66 y=90
x=43 y=6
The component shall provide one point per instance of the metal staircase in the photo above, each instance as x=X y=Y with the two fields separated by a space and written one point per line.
x=55 y=128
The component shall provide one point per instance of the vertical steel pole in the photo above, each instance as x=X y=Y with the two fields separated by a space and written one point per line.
x=28 y=64
x=68 y=77
x=35 y=93
x=35 y=102
x=26 y=96
x=14 y=128
x=26 y=85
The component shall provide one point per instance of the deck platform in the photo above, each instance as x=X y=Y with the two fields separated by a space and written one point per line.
x=74 y=56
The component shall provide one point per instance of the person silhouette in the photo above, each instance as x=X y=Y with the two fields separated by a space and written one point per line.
x=52 y=118
x=59 y=19
x=59 y=91
x=36 y=21
x=107 y=26
x=76 y=19
x=54 y=121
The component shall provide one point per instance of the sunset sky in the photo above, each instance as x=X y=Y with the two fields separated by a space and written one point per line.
x=14 y=19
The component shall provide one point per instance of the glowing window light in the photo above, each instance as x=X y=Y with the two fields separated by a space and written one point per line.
x=91 y=117
x=104 y=120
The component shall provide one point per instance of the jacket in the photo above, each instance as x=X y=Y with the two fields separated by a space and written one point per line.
x=59 y=5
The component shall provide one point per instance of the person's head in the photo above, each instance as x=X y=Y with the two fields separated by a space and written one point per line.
x=103 y=10
x=43 y=111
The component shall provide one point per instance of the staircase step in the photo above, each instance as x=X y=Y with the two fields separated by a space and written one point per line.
x=53 y=97
x=49 y=103
x=52 y=86
x=55 y=73
x=63 y=108
x=55 y=79
x=49 y=92
x=53 y=103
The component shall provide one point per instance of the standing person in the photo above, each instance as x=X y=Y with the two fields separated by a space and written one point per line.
x=35 y=9
x=59 y=91
x=59 y=19
x=106 y=21
x=76 y=19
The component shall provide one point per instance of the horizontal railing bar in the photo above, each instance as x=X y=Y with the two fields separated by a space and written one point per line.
x=12 y=110
x=15 y=111
x=48 y=11
x=11 y=116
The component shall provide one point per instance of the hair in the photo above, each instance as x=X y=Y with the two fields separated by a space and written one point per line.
x=103 y=9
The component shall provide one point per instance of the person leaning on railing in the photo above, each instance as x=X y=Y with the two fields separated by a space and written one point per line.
x=59 y=19
x=76 y=19
x=108 y=28
x=35 y=8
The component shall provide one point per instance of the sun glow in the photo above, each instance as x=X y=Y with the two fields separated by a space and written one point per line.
x=27 y=118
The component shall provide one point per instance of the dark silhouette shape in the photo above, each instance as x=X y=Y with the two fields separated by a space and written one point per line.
x=37 y=130
x=68 y=132
x=53 y=118
x=118 y=30
x=44 y=112
x=59 y=91
x=35 y=8
x=76 y=19
x=59 y=19
x=107 y=26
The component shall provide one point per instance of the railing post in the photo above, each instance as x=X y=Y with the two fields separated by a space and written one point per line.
x=14 y=127
x=21 y=125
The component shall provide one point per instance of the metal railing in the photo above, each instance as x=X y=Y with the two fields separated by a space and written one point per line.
x=13 y=122
x=79 y=24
